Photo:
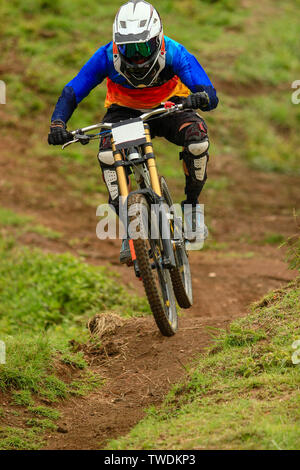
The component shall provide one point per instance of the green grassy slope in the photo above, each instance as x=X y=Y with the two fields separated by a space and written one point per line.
x=250 y=50
x=46 y=300
x=243 y=394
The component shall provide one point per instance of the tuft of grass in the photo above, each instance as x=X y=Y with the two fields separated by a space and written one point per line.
x=45 y=232
x=238 y=336
x=242 y=394
x=46 y=412
x=22 y=397
x=82 y=387
x=41 y=423
x=273 y=239
x=19 y=439
x=293 y=252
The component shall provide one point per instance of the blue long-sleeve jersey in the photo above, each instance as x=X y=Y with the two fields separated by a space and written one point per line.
x=182 y=74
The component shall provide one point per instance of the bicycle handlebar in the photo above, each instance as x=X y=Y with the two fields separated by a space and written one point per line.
x=193 y=101
x=80 y=133
x=144 y=117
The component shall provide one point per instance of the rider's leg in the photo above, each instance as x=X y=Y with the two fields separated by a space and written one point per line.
x=188 y=130
x=106 y=160
x=195 y=158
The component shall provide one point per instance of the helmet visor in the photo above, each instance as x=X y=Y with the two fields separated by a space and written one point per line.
x=142 y=49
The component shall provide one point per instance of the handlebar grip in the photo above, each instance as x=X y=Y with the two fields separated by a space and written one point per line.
x=198 y=100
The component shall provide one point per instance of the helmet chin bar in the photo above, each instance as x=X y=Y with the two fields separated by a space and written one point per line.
x=152 y=68
x=148 y=78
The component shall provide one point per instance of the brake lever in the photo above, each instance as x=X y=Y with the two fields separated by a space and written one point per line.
x=82 y=138
x=69 y=143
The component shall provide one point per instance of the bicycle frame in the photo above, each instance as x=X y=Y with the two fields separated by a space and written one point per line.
x=153 y=193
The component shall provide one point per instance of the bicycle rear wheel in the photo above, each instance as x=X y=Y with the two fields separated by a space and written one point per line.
x=181 y=275
x=156 y=279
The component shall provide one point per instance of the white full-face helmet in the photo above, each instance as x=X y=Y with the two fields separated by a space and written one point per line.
x=138 y=43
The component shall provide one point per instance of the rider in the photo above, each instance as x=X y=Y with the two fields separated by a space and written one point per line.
x=144 y=68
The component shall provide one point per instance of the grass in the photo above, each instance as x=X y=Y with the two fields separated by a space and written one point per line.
x=20 y=439
x=46 y=300
x=273 y=239
x=25 y=224
x=40 y=291
x=242 y=394
x=45 y=412
x=41 y=423
x=22 y=397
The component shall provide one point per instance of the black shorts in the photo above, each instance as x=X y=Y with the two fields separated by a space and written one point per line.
x=167 y=127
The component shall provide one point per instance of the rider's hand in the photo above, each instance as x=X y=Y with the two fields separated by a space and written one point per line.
x=198 y=100
x=58 y=133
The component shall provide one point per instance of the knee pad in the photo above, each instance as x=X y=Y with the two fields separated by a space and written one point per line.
x=106 y=157
x=195 y=166
x=195 y=154
x=196 y=139
x=198 y=148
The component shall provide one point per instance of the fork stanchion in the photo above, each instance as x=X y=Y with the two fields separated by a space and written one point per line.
x=122 y=180
x=151 y=164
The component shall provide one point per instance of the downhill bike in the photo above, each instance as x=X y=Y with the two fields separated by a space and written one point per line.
x=159 y=260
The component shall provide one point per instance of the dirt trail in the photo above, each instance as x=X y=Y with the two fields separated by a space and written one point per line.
x=143 y=365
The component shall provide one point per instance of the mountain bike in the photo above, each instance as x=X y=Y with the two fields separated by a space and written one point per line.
x=157 y=246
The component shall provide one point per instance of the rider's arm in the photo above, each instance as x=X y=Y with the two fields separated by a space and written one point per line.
x=190 y=72
x=91 y=75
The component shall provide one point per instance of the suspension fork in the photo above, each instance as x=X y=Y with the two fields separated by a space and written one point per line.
x=164 y=226
x=123 y=190
x=122 y=180
x=151 y=164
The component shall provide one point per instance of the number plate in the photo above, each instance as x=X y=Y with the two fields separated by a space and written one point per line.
x=129 y=133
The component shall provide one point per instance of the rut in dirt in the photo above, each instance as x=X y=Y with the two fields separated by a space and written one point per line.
x=139 y=368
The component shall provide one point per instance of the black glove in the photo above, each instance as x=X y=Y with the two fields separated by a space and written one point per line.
x=58 y=133
x=198 y=100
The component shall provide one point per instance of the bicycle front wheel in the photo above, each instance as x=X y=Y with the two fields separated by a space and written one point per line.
x=156 y=279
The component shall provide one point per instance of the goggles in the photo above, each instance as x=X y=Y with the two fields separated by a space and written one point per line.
x=144 y=49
